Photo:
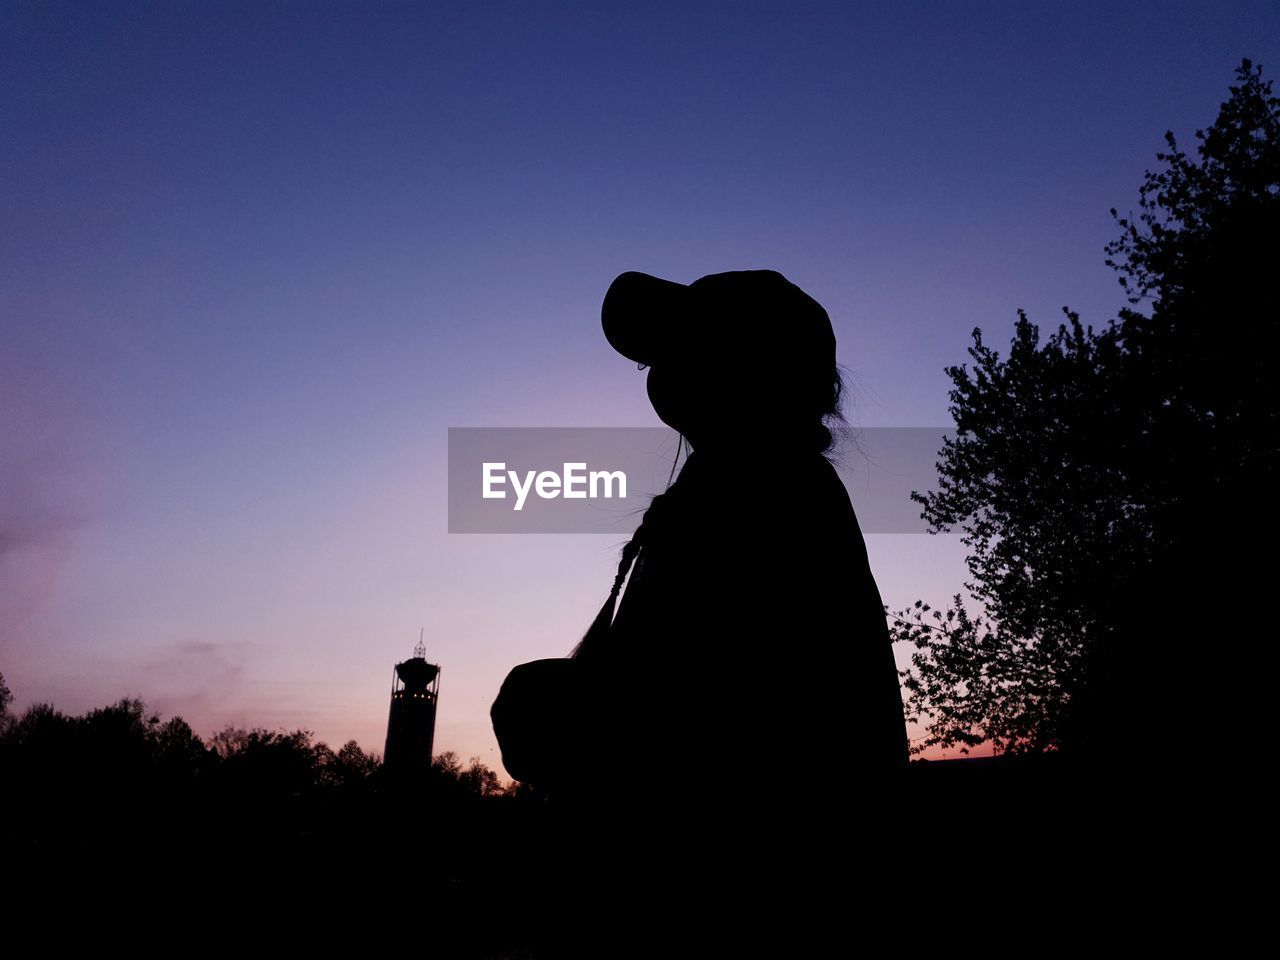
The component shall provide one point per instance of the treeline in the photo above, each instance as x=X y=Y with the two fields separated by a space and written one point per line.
x=164 y=834
x=121 y=777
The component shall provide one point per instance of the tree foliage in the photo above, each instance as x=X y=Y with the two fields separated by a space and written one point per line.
x=126 y=743
x=1092 y=470
x=1192 y=203
x=1039 y=494
x=6 y=698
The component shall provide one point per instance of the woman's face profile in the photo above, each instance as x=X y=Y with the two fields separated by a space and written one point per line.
x=684 y=397
x=701 y=402
x=667 y=395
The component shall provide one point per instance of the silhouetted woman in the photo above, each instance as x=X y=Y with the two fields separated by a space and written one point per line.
x=726 y=724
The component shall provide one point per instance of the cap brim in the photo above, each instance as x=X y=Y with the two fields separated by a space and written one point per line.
x=642 y=315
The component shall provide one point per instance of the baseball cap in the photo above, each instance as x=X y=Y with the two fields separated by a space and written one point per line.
x=735 y=316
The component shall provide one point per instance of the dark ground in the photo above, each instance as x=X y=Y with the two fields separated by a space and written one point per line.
x=956 y=842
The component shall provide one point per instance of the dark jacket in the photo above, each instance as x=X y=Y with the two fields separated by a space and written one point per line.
x=750 y=641
x=729 y=737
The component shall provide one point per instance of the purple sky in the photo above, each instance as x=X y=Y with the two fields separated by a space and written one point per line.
x=257 y=258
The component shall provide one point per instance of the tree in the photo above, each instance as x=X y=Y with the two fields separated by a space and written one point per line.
x=478 y=779
x=178 y=748
x=447 y=765
x=1104 y=481
x=228 y=741
x=353 y=765
x=1191 y=206
x=6 y=698
x=269 y=762
x=1037 y=489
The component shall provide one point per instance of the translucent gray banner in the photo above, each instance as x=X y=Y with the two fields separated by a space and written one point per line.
x=600 y=479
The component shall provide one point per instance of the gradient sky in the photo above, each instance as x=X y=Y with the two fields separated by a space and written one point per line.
x=257 y=258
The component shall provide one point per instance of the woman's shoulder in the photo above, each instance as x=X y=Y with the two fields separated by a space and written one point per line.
x=810 y=486
x=728 y=500
x=712 y=476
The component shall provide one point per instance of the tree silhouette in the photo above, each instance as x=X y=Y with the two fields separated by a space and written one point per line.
x=6 y=698
x=352 y=765
x=1193 y=205
x=1102 y=479
x=480 y=780
x=451 y=779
